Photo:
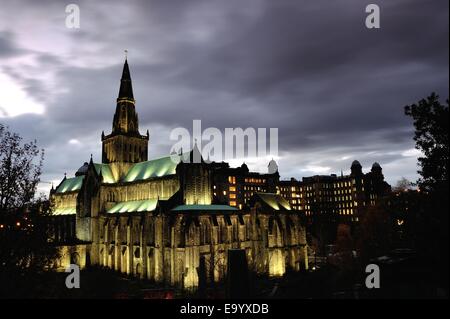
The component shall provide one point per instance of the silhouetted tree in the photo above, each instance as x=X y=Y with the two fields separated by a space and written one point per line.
x=431 y=122
x=375 y=232
x=403 y=184
x=408 y=210
x=19 y=170
x=343 y=258
x=24 y=247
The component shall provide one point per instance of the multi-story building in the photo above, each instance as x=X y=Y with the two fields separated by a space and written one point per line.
x=236 y=186
x=333 y=197
x=292 y=191
x=324 y=201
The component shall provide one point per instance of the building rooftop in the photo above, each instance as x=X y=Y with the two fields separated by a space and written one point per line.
x=147 y=205
x=275 y=201
x=154 y=168
x=204 y=207
x=74 y=183
x=105 y=171
x=70 y=184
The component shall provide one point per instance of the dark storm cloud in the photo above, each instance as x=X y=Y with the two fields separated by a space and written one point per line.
x=335 y=89
x=7 y=47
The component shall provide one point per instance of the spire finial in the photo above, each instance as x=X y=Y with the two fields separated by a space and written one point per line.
x=126 y=54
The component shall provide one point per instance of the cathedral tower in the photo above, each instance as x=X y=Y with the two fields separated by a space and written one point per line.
x=125 y=145
x=195 y=179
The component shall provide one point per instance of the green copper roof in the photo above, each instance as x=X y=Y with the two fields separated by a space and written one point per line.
x=147 y=205
x=70 y=184
x=105 y=170
x=203 y=207
x=65 y=211
x=74 y=183
x=275 y=201
x=154 y=168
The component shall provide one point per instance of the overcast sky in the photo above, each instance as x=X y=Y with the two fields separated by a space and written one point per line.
x=335 y=89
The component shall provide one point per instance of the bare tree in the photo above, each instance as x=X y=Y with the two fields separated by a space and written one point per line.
x=20 y=170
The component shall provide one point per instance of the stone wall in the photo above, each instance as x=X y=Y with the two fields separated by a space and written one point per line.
x=169 y=248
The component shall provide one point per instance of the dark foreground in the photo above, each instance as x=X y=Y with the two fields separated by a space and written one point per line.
x=400 y=279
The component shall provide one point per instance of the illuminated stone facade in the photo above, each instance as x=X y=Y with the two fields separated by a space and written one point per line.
x=162 y=219
x=125 y=146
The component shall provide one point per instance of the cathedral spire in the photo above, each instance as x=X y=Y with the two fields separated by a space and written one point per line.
x=126 y=89
x=126 y=119
x=125 y=145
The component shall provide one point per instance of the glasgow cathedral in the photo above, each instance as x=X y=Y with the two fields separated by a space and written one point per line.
x=164 y=219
